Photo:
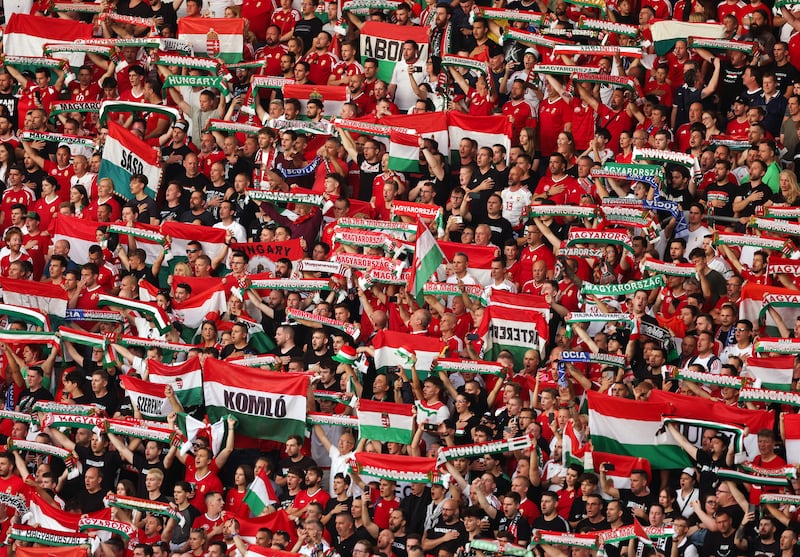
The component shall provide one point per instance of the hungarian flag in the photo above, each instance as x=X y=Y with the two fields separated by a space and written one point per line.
x=683 y=406
x=186 y=379
x=403 y=152
x=385 y=421
x=572 y=450
x=773 y=373
x=26 y=35
x=756 y=299
x=199 y=307
x=631 y=428
x=151 y=248
x=515 y=330
x=432 y=125
x=391 y=347
x=791 y=438
x=486 y=130
x=192 y=428
x=263 y=255
x=124 y=154
x=509 y=300
x=279 y=520
x=667 y=31
x=219 y=38
x=147 y=397
x=268 y=405
x=49 y=299
x=382 y=42
x=623 y=466
x=427 y=258
x=80 y=233
x=47 y=516
x=211 y=239
x=332 y=96
x=260 y=494
x=480 y=259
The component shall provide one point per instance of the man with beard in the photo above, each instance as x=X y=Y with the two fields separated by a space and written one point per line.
x=764 y=542
x=517 y=109
x=613 y=118
x=272 y=51
x=347 y=67
x=359 y=96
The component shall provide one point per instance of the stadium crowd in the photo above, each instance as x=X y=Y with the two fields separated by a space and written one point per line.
x=643 y=205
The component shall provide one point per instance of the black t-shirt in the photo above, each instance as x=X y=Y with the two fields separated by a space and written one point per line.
x=501 y=230
x=310 y=358
x=143 y=467
x=286 y=463
x=585 y=526
x=637 y=501
x=307 y=29
x=107 y=402
x=708 y=469
x=345 y=547
x=205 y=218
x=91 y=502
x=145 y=274
x=174 y=170
x=717 y=545
x=746 y=190
x=172 y=213
x=558 y=524
x=368 y=171
x=517 y=526
x=147 y=208
x=440 y=529
x=724 y=193
x=28 y=398
x=329 y=506
x=109 y=463
x=167 y=11
x=415 y=508
x=230 y=349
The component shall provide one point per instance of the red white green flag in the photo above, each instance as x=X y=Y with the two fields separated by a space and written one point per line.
x=218 y=38
x=385 y=421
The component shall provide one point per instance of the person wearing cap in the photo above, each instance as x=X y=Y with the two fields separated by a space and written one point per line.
x=688 y=492
x=739 y=125
x=719 y=456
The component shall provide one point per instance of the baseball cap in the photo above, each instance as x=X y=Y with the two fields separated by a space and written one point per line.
x=181 y=125
x=742 y=100
x=33 y=215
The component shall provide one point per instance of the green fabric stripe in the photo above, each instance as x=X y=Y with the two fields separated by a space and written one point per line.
x=391 y=434
x=661 y=457
x=275 y=429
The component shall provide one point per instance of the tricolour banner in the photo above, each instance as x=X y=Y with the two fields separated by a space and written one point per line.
x=391 y=349
x=221 y=38
x=268 y=405
x=486 y=130
x=383 y=42
x=385 y=421
x=49 y=299
x=26 y=35
x=333 y=96
x=124 y=154
x=515 y=330
x=186 y=379
x=147 y=397
x=80 y=233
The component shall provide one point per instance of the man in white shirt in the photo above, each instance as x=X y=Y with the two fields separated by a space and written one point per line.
x=400 y=89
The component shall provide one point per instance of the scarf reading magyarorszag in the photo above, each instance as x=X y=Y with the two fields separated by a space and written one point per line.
x=669 y=269
x=620 y=238
x=149 y=433
x=128 y=340
x=459 y=365
x=492 y=547
x=78 y=7
x=286 y=197
x=623 y=289
x=152 y=311
x=732 y=143
x=363 y=239
x=615 y=360
x=610 y=26
x=785 y=472
x=139 y=233
x=633 y=172
x=474 y=291
x=583 y=253
x=776 y=212
x=215 y=125
x=267 y=82
x=114 y=526
x=31 y=337
x=414 y=211
x=347 y=328
x=561 y=69
x=588 y=541
x=144 y=506
x=769 y=396
x=617 y=81
x=189 y=62
x=368 y=128
x=318 y=418
x=73 y=421
x=364 y=7
x=110 y=107
x=90 y=339
x=129 y=20
x=714 y=379
x=776 y=266
x=377 y=276
x=362 y=262
x=387 y=227
x=205 y=81
x=779 y=499
x=64 y=107
x=47 y=537
x=634 y=531
x=302 y=285
x=777 y=345
x=733 y=239
x=592 y=50
x=18 y=417
x=531 y=38
x=722 y=44
x=50 y=137
x=776 y=226
x=453 y=61
x=412 y=469
x=323 y=127
x=661 y=155
x=571 y=34
x=38 y=61
x=627 y=216
x=510 y=15
x=752 y=478
x=69 y=458
x=578 y=211
x=737 y=432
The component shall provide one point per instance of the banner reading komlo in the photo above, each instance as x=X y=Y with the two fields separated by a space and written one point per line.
x=384 y=42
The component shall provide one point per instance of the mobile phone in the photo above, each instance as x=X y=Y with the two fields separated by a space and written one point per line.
x=417 y=69
x=609 y=467
x=474 y=195
x=458 y=219
x=472 y=336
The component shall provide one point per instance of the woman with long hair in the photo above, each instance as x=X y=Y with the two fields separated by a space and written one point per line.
x=234 y=498
x=788 y=190
x=79 y=200
x=8 y=158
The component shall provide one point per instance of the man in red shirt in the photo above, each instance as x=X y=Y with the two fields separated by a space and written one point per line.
x=38 y=93
x=320 y=60
x=559 y=186
x=311 y=494
x=534 y=251
x=15 y=193
x=614 y=118
x=517 y=110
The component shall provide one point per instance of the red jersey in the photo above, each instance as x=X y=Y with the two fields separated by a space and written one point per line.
x=479 y=105
x=582 y=117
x=79 y=93
x=304 y=498
x=737 y=128
x=272 y=56
x=206 y=484
x=553 y=115
x=235 y=505
x=321 y=66
x=726 y=8
x=383 y=508
x=570 y=195
x=207 y=523
x=62 y=175
x=615 y=123
x=519 y=114
x=11 y=197
x=285 y=19
x=531 y=255
x=7 y=260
